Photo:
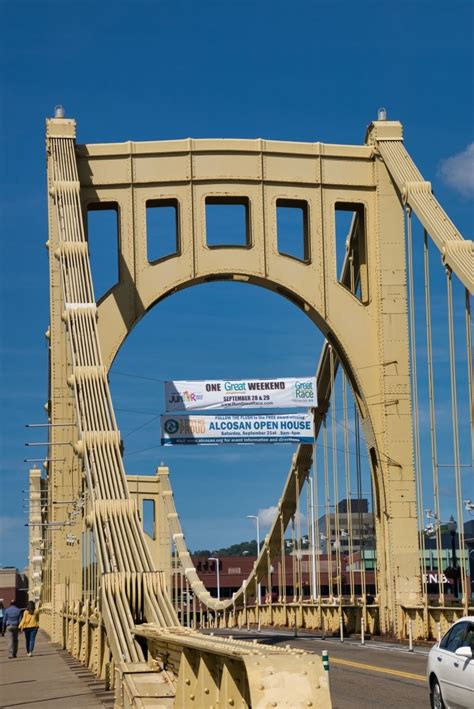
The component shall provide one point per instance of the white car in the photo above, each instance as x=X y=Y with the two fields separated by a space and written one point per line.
x=451 y=667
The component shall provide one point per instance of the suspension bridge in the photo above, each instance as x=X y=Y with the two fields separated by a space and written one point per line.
x=130 y=607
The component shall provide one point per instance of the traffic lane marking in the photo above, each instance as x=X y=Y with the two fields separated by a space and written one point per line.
x=375 y=668
x=353 y=644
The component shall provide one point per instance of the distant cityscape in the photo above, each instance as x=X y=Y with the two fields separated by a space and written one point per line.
x=348 y=532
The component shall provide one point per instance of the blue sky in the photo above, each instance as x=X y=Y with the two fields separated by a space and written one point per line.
x=305 y=71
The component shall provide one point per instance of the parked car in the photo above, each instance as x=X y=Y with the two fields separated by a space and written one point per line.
x=451 y=667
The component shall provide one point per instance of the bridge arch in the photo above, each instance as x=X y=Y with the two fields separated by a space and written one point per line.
x=370 y=337
x=362 y=310
x=293 y=296
x=315 y=318
x=368 y=331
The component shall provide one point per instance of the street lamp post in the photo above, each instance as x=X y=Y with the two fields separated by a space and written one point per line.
x=259 y=588
x=214 y=558
x=313 y=541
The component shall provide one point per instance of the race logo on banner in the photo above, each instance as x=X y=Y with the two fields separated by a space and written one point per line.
x=241 y=394
x=180 y=429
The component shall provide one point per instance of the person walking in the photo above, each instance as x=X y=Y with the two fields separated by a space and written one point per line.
x=30 y=624
x=2 y=613
x=11 y=621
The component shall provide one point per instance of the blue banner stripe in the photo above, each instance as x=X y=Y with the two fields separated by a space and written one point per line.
x=238 y=440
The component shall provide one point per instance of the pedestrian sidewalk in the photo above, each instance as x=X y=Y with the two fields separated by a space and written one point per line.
x=50 y=679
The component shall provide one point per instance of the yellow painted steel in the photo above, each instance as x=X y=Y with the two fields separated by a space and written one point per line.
x=130 y=589
x=105 y=586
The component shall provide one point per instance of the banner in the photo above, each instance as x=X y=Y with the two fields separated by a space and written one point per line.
x=180 y=429
x=241 y=394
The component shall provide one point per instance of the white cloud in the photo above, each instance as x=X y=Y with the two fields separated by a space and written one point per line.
x=267 y=516
x=458 y=171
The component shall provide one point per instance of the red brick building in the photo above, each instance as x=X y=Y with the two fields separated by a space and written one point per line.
x=233 y=570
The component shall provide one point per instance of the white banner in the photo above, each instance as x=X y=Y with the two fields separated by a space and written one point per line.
x=179 y=429
x=241 y=394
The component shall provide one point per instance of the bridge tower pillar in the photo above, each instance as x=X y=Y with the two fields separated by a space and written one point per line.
x=388 y=399
x=64 y=479
x=150 y=488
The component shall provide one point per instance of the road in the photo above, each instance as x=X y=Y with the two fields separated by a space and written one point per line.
x=374 y=675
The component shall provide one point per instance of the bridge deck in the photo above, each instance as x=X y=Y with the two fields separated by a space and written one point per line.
x=49 y=679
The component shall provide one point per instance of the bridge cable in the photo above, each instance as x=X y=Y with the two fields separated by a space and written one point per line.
x=415 y=411
x=347 y=471
x=362 y=572
x=431 y=397
x=316 y=525
x=337 y=542
x=454 y=415
x=327 y=502
x=469 y=370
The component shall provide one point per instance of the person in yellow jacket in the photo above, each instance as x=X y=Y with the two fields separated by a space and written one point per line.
x=30 y=624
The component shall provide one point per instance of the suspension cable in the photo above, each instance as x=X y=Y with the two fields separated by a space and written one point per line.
x=337 y=542
x=327 y=501
x=347 y=472
x=293 y=557
x=415 y=411
x=434 y=454
x=298 y=537
x=454 y=414
x=363 y=579
x=469 y=369
x=283 y=561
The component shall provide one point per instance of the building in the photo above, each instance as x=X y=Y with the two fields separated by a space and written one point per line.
x=233 y=570
x=13 y=586
x=351 y=515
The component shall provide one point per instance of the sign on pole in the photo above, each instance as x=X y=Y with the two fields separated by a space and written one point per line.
x=180 y=429
x=240 y=394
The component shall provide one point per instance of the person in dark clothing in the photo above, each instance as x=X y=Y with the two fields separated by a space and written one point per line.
x=11 y=621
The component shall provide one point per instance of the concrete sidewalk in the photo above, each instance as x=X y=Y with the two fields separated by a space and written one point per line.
x=49 y=680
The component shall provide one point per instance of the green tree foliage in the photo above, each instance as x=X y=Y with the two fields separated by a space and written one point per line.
x=243 y=549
